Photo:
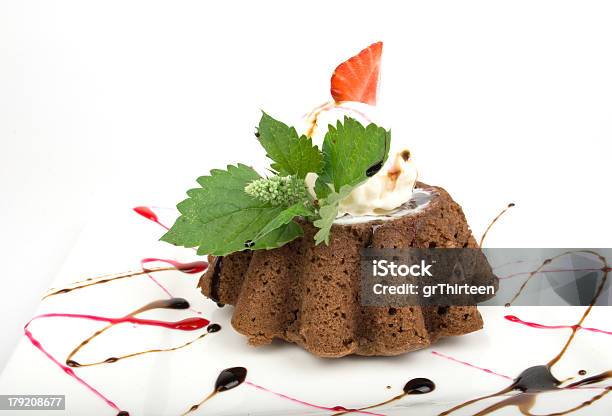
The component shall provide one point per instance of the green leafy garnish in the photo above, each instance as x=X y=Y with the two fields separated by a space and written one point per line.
x=220 y=218
x=292 y=154
x=328 y=213
x=236 y=209
x=278 y=237
x=285 y=217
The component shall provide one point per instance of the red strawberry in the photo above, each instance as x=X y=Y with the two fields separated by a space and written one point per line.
x=357 y=78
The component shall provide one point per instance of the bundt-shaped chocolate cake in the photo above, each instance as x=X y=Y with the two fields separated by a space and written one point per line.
x=309 y=294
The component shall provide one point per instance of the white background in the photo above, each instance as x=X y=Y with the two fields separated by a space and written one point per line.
x=106 y=101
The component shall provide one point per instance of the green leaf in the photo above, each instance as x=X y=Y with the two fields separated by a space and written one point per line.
x=283 y=218
x=322 y=190
x=219 y=218
x=291 y=154
x=279 y=237
x=350 y=150
x=328 y=213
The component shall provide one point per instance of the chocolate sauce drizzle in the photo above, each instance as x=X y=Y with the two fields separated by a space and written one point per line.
x=103 y=279
x=188 y=268
x=484 y=235
x=215 y=280
x=228 y=379
x=537 y=379
x=415 y=386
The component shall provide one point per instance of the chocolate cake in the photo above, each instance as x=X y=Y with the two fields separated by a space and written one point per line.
x=286 y=248
x=309 y=294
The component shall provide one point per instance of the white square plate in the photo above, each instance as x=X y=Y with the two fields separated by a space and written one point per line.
x=170 y=383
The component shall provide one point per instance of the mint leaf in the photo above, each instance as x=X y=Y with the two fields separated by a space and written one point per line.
x=292 y=154
x=220 y=218
x=351 y=151
x=279 y=237
x=322 y=190
x=283 y=218
x=328 y=213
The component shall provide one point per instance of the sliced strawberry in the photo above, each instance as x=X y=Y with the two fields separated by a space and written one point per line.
x=357 y=78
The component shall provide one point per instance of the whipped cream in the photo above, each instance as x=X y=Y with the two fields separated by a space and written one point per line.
x=384 y=192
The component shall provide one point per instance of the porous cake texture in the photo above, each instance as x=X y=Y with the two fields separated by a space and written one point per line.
x=309 y=295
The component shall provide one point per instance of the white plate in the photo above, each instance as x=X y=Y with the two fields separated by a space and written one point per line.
x=169 y=383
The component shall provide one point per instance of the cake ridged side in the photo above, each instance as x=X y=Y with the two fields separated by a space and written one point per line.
x=309 y=295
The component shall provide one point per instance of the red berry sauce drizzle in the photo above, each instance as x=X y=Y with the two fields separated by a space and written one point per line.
x=189 y=324
x=516 y=319
x=537 y=379
x=148 y=213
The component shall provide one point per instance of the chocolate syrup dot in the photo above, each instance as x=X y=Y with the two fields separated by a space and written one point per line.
x=374 y=169
x=249 y=243
x=72 y=363
x=178 y=303
x=512 y=204
x=419 y=386
x=111 y=360
x=123 y=413
x=230 y=378
x=582 y=372
x=257 y=133
x=213 y=328
x=535 y=379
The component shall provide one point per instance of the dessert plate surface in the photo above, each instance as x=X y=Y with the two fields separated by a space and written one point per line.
x=282 y=379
